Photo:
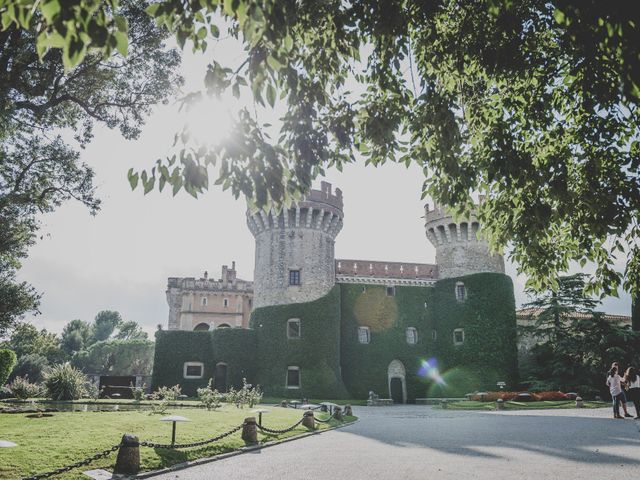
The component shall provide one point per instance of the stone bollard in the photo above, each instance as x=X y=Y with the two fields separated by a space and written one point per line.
x=337 y=413
x=348 y=411
x=250 y=430
x=308 y=420
x=579 y=402
x=284 y=404
x=499 y=404
x=128 y=460
x=443 y=404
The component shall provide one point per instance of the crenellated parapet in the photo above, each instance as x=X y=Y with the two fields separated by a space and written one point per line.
x=460 y=246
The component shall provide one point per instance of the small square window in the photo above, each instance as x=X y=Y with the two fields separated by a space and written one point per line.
x=461 y=292
x=293 y=328
x=364 y=335
x=293 y=377
x=391 y=291
x=294 y=277
x=193 y=370
x=412 y=335
x=458 y=336
x=434 y=335
x=204 y=301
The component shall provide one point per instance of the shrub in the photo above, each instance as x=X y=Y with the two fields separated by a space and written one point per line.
x=63 y=382
x=138 y=392
x=247 y=395
x=552 y=396
x=506 y=396
x=92 y=390
x=210 y=398
x=163 y=398
x=21 y=388
x=7 y=362
x=31 y=365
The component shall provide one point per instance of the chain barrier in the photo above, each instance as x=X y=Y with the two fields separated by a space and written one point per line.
x=323 y=421
x=193 y=444
x=81 y=463
x=284 y=430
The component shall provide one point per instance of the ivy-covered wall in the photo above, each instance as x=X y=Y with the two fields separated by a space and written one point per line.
x=316 y=353
x=487 y=316
x=235 y=347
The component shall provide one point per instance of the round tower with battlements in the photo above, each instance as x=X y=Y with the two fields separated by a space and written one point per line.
x=295 y=256
x=460 y=248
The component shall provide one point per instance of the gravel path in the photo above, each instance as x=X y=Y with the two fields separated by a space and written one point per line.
x=419 y=442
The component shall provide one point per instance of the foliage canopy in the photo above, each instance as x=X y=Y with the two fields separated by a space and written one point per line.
x=532 y=103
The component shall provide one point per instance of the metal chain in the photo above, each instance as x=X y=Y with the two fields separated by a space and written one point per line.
x=323 y=421
x=193 y=444
x=284 y=430
x=81 y=463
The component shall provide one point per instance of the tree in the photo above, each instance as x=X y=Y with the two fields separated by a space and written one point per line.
x=104 y=325
x=44 y=93
x=552 y=310
x=31 y=366
x=130 y=331
x=7 y=362
x=575 y=344
x=532 y=103
x=26 y=339
x=117 y=357
x=75 y=336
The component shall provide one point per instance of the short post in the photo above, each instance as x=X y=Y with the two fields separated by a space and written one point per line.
x=499 y=404
x=579 y=402
x=308 y=420
x=284 y=404
x=128 y=460
x=337 y=413
x=250 y=430
x=348 y=411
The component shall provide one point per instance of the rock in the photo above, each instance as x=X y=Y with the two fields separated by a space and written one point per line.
x=128 y=460
x=250 y=430
x=308 y=420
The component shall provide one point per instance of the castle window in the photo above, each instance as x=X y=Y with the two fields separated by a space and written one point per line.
x=201 y=327
x=461 y=292
x=458 y=336
x=293 y=328
x=434 y=335
x=293 y=377
x=193 y=370
x=364 y=289
x=250 y=303
x=391 y=291
x=412 y=335
x=225 y=302
x=294 y=277
x=425 y=305
x=364 y=335
x=204 y=301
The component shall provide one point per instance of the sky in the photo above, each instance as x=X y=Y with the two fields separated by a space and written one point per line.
x=121 y=258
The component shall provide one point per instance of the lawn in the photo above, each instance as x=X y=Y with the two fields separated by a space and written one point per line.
x=51 y=442
x=511 y=405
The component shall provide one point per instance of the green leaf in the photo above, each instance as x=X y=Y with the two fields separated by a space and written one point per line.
x=50 y=9
x=271 y=95
x=133 y=179
x=122 y=44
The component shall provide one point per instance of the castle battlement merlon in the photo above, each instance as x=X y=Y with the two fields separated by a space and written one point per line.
x=193 y=284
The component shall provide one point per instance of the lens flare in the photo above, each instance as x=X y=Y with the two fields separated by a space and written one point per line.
x=429 y=369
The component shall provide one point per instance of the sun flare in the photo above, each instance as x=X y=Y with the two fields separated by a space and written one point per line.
x=210 y=121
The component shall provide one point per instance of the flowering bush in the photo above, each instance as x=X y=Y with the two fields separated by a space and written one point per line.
x=163 y=397
x=22 y=389
x=509 y=396
x=209 y=397
x=553 y=396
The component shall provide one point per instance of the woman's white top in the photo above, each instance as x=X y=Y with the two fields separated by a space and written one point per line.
x=614 y=385
x=635 y=383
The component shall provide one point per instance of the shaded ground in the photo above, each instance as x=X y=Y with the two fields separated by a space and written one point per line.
x=418 y=442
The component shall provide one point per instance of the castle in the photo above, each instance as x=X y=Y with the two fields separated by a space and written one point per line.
x=323 y=327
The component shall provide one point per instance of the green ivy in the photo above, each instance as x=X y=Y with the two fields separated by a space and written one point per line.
x=235 y=347
x=317 y=352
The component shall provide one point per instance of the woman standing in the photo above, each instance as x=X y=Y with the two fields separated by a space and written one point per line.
x=615 y=387
x=632 y=381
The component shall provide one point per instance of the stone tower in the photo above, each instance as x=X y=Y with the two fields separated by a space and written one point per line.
x=460 y=248
x=295 y=257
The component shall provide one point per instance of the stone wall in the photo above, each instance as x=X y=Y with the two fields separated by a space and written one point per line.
x=300 y=238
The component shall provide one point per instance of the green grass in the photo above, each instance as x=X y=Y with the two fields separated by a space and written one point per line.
x=342 y=403
x=510 y=405
x=51 y=442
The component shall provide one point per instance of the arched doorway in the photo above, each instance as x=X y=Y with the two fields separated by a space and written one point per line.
x=201 y=327
x=220 y=377
x=397 y=382
x=224 y=325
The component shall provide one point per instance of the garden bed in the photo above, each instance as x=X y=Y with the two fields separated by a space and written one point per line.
x=513 y=405
x=51 y=442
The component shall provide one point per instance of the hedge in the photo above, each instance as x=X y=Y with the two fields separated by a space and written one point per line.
x=235 y=347
x=7 y=362
x=316 y=353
